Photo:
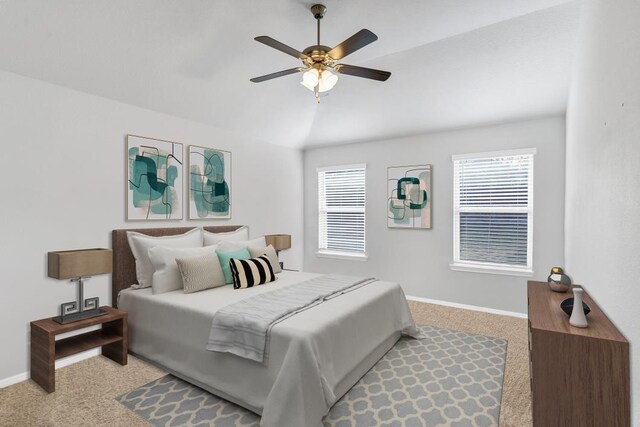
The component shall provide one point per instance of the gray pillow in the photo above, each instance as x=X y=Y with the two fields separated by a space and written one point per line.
x=200 y=273
x=270 y=252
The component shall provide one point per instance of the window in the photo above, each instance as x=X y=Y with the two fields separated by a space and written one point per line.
x=493 y=212
x=341 y=219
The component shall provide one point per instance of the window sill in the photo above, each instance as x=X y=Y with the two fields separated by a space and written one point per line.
x=342 y=255
x=488 y=269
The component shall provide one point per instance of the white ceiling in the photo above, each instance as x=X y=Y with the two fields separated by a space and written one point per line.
x=454 y=63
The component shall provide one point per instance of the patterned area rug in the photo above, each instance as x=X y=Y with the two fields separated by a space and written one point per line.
x=448 y=378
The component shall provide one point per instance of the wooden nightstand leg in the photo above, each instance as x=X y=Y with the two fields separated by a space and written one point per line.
x=43 y=359
x=116 y=351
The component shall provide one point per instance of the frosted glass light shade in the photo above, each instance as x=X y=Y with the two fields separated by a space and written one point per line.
x=327 y=81
x=310 y=79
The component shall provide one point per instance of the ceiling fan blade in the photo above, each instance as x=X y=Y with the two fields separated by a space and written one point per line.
x=367 y=73
x=278 y=74
x=281 y=47
x=353 y=43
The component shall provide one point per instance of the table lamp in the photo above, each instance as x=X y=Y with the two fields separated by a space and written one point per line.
x=279 y=242
x=79 y=265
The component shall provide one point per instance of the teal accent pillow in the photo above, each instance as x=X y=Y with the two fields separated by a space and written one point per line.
x=225 y=256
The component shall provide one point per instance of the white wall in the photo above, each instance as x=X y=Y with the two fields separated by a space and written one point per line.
x=419 y=259
x=603 y=160
x=62 y=183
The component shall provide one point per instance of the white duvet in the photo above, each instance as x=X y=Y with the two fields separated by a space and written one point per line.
x=315 y=355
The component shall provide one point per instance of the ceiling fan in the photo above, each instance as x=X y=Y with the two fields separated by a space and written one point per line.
x=320 y=65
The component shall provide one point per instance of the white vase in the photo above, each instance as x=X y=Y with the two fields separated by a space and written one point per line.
x=578 y=319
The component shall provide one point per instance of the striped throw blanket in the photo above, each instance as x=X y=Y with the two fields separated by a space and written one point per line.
x=244 y=328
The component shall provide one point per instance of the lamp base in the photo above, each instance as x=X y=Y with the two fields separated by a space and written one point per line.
x=74 y=317
x=81 y=308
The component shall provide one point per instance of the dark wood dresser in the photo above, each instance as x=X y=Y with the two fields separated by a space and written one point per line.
x=579 y=377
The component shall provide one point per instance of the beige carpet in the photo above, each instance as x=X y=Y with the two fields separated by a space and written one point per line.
x=85 y=396
x=86 y=391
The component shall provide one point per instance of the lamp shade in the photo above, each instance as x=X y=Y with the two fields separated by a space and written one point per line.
x=310 y=79
x=80 y=262
x=327 y=81
x=279 y=241
x=324 y=79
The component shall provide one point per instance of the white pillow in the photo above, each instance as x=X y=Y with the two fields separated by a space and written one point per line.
x=260 y=242
x=241 y=233
x=140 y=244
x=167 y=277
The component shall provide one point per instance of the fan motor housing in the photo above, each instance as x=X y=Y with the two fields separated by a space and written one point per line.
x=318 y=53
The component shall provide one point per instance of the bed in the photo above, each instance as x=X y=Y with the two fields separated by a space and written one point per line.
x=315 y=356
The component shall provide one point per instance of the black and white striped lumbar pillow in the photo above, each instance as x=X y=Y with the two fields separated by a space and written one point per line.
x=251 y=272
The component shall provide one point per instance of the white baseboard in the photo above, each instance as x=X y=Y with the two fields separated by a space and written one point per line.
x=468 y=307
x=6 y=382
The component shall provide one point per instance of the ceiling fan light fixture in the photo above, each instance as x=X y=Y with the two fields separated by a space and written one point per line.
x=319 y=67
x=327 y=80
x=310 y=79
x=307 y=85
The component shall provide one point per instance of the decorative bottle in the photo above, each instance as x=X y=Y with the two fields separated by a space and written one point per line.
x=578 y=319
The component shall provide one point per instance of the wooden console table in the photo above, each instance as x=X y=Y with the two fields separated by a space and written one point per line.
x=579 y=377
x=45 y=350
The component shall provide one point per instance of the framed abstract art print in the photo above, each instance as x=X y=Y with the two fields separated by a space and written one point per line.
x=409 y=196
x=154 y=184
x=209 y=183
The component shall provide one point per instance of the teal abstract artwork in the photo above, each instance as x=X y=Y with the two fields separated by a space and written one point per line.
x=209 y=183
x=154 y=184
x=409 y=196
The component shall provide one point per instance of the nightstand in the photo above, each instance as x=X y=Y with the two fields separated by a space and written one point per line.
x=45 y=349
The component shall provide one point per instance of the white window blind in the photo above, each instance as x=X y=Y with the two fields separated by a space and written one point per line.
x=493 y=210
x=341 y=201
